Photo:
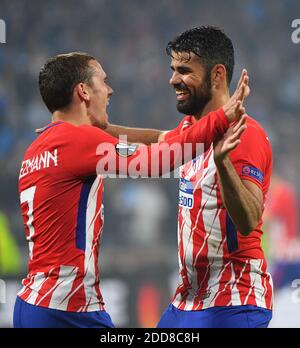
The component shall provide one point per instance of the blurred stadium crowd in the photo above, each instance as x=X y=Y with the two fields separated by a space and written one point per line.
x=129 y=38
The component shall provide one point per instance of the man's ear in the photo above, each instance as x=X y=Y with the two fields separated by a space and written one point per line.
x=218 y=76
x=82 y=92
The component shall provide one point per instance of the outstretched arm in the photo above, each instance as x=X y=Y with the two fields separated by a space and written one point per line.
x=105 y=153
x=150 y=136
x=135 y=135
x=117 y=158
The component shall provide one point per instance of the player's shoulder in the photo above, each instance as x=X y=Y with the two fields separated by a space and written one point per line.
x=255 y=130
x=54 y=130
x=45 y=138
x=254 y=125
x=254 y=142
x=64 y=133
x=70 y=131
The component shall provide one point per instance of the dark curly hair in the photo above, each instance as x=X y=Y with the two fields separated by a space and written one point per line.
x=210 y=44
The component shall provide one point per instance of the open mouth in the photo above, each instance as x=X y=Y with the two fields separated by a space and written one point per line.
x=182 y=95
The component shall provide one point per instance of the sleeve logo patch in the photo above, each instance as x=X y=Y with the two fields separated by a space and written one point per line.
x=125 y=150
x=253 y=172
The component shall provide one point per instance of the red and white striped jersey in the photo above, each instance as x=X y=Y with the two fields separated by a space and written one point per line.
x=217 y=265
x=61 y=202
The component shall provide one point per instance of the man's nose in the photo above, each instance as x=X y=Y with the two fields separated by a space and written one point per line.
x=110 y=91
x=175 y=79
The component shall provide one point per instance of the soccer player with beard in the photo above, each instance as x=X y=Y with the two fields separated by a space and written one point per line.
x=223 y=278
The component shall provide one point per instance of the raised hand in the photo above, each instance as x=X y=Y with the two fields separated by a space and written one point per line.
x=230 y=140
x=234 y=108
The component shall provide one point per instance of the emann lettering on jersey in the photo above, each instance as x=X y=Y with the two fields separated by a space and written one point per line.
x=41 y=161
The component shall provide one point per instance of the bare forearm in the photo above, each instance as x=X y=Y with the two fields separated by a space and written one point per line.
x=243 y=207
x=134 y=135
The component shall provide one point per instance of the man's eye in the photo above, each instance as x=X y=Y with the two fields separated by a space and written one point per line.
x=184 y=71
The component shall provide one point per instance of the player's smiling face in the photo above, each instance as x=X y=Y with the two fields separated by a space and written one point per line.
x=100 y=92
x=191 y=83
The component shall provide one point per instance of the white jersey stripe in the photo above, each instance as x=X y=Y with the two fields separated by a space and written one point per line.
x=253 y=281
x=186 y=219
x=235 y=294
x=255 y=274
x=236 y=297
x=38 y=282
x=231 y=281
x=217 y=269
x=213 y=229
x=67 y=275
x=89 y=260
x=26 y=287
x=187 y=245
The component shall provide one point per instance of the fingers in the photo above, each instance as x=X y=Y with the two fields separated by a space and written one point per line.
x=239 y=110
x=240 y=123
x=243 y=74
x=242 y=90
x=232 y=146
x=231 y=139
x=239 y=86
x=245 y=89
x=235 y=136
x=234 y=107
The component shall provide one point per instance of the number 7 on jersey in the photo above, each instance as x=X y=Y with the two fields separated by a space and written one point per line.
x=28 y=196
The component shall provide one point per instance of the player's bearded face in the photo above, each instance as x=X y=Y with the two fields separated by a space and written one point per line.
x=195 y=97
x=191 y=82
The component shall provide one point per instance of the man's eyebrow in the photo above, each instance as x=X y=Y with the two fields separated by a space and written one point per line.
x=181 y=67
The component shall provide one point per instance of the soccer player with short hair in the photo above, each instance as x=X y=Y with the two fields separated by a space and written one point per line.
x=61 y=186
x=223 y=278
